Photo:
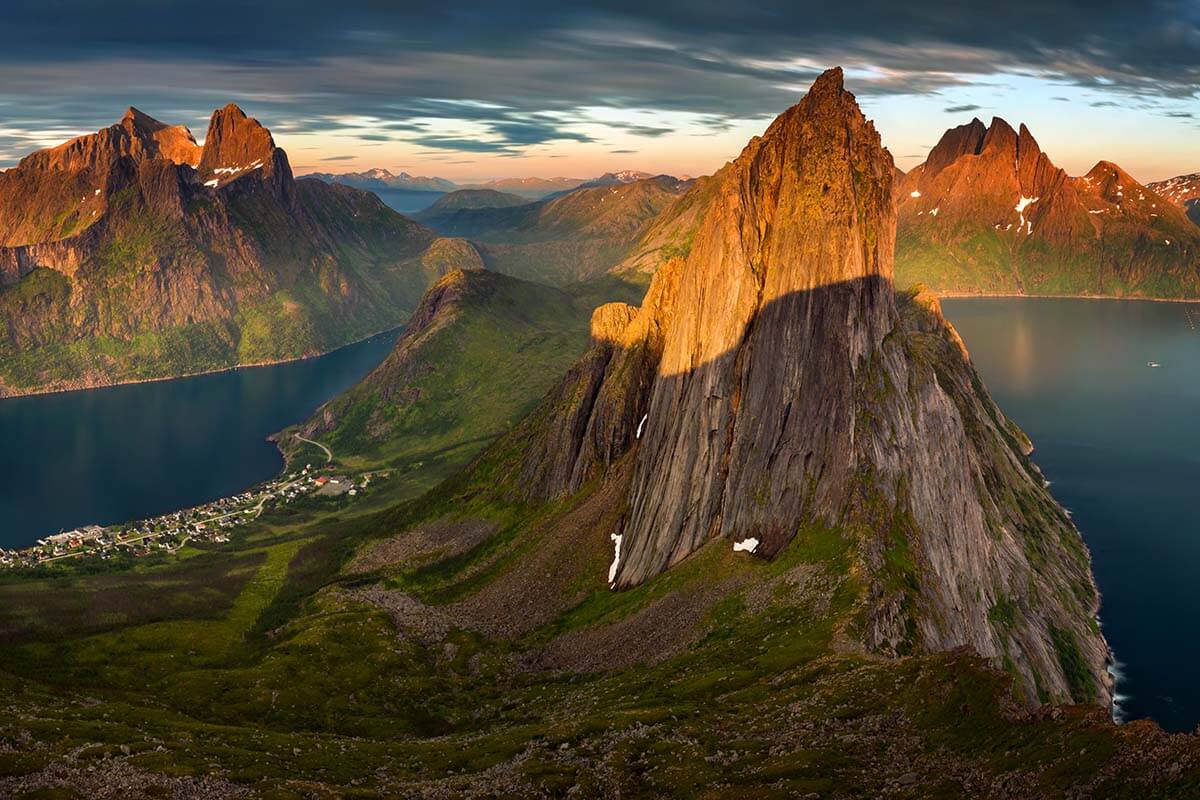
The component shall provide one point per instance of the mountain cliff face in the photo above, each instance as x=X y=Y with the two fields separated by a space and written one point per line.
x=989 y=212
x=135 y=253
x=772 y=381
x=1183 y=191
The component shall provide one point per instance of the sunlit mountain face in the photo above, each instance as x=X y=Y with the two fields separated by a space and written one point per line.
x=476 y=92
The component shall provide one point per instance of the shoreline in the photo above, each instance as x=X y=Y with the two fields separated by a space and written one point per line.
x=985 y=295
x=199 y=373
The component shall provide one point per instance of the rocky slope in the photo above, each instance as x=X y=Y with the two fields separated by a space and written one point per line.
x=1183 y=191
x=134 y=253
x=773 y=381
x=568 y=238
x=989 y=212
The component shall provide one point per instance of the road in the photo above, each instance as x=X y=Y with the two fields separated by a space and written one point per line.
x=328 y=452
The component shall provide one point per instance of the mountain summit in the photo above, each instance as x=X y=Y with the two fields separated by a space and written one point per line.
x=989 y=212
x=773 y=382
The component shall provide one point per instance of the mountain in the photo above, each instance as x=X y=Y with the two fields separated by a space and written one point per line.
x=1183 y=191
x=624 y=176
x=772 y=382
x=134 y=253
x=448 y=204
x=988 y=212
x=478 y=353
x=533 y=188
x=571 y=237
x=378 y=178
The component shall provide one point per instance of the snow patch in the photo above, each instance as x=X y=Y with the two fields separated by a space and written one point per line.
x=97 y=192
x=933 y=212
x=749 y=545
x=914 y=193
x=640 y=425
x=612 y=569
x=212 y=183
x=1025 y=202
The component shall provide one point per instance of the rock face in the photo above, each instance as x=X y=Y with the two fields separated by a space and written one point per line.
x=1183 y=191
x=135 y=253
x=989 y=212
x=772 y=381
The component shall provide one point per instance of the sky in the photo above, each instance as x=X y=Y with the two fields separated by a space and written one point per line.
x=479 y=90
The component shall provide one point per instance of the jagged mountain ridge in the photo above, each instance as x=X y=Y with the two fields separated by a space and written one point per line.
x=134 y=253
x=772 y=381
x=988 y=211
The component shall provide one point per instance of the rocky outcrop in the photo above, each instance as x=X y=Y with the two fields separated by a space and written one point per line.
x=989 y=212
x=773 y=381
x=133 y=253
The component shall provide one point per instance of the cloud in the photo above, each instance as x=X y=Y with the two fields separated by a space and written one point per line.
x=524 y=79
x=622 y=152
x=961 y=109
x=337 y=158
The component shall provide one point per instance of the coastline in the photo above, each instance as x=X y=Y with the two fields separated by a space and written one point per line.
x=9 y=394
x=984 y=295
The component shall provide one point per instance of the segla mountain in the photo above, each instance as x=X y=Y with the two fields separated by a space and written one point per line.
x=773 y=381
x=988 y=212
x=136 y=253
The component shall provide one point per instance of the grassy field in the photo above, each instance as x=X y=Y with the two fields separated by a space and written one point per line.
x=258 y=669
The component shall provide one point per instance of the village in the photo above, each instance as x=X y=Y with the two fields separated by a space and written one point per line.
x=211 y=523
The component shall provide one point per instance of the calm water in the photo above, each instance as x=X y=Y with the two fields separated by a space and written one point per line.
x=1120 y=443
x=127 y=452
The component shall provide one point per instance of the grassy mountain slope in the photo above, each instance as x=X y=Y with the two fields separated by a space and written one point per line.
x=572 y=237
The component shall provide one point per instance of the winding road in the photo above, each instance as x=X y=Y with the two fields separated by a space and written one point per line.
x=328 y=452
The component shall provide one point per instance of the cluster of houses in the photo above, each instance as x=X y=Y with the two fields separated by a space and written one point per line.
x=212 y=522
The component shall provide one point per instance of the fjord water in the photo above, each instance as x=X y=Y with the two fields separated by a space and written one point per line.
x=1119 y=441
x=127 y=452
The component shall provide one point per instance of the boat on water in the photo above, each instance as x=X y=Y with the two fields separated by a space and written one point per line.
x=1153 y=364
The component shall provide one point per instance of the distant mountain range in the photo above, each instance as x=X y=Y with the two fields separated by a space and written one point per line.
x=383 y=179
x=561 y=239
x=530 y=188
x=134 y=253
x=989 y=212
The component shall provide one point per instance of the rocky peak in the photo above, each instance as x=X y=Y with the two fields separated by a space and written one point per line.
x=956 y=142
x=137 y=136
x=786 y=286
x=1000 y=137
x=238 y=145
x=772 y=382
